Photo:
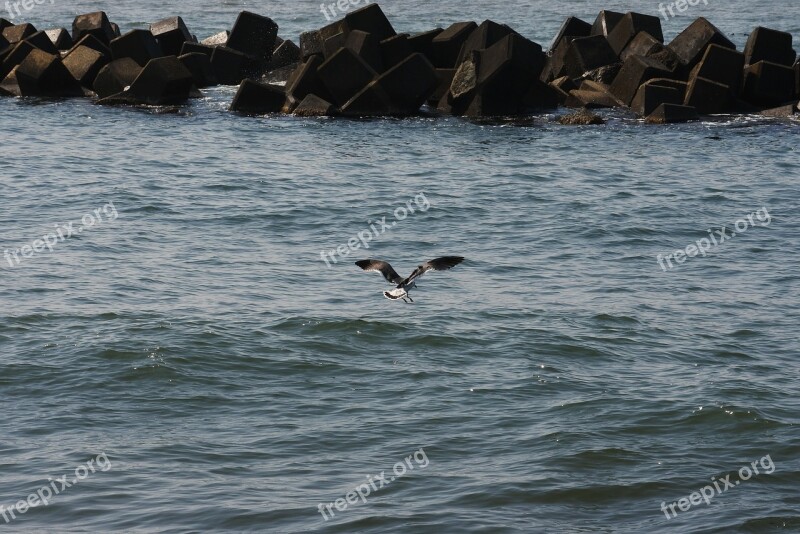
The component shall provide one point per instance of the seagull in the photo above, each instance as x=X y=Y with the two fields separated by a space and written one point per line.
x=404 y=286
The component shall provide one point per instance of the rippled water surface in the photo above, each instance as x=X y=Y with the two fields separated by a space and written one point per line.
x=194 y=344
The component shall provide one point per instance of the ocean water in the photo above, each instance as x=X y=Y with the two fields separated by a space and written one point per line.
x=192 y=364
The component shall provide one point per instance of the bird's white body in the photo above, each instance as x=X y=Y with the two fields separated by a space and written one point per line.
x=394 y=294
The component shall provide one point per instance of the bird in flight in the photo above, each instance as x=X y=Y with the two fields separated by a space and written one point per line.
x=406 y=285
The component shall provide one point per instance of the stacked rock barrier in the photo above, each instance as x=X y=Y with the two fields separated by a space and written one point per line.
x=360 y=66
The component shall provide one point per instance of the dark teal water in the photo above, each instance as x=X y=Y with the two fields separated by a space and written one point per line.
x=194 y=345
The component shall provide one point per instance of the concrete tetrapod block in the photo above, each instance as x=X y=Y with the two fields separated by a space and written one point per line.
x=797 y=77
x=332 y=29
x=788 y=110
x=409 y=84
x=395 y=50
x=139 y=45
x=443 y=105
x=672 y=113
x=506 y=72
x=605 y=22
x=254 y=35
x=94 y=43
x=721 y=65
x=170 y=34
x=768 y=84
x=345 y=74
x=95 y=24
x=446 y=46
x=572 y=27
x=556 y=62
x=482 y=37
x=258 y=98
x=708 y=97
x=197 y=48
x=287 y=53
x=591 y=85
x=200 y=67
x=678 y=85
x=590 y=99
x=84 y=64
x=9 y=85
x=41 y=41
x=43 y=74
x=765 y=44
x=540 y=96
x=643 y=44
x=635 y=71
x=17 y=33
x=650 y=96
x=311 y=44
x=366 y=47
x=369 y=19
x=314 y=106
x=588 y=53
x=333 y=44
x=280 y=76
x=445 y=80
x=423 y=42
x=691 y=43
x=630 y=25
x=371 y=101
x=162 y=81
x=605 y=74
x=60 y=38
x=14 y=57
x=306 y=81
x=230 y=66
x=560 y=94
x=116 y=76
x=564 y=83
x=670 y=60
x=518 y=59
x=218 y=39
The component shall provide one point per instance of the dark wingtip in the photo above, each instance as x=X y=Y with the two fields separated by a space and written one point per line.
x=446 y=262
x=363 y=263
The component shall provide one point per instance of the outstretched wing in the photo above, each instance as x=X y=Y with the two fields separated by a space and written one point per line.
x=439 y=264
x=381 y=266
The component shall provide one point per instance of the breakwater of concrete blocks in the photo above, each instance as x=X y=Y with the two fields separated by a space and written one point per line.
x=360 y=66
